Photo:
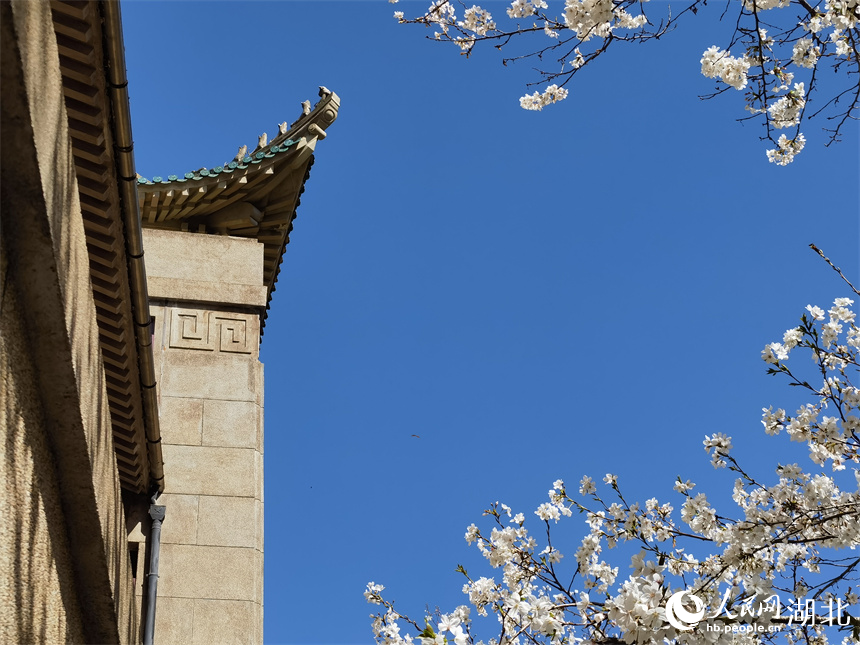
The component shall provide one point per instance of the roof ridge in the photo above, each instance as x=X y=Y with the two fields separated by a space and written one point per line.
x=312 y=121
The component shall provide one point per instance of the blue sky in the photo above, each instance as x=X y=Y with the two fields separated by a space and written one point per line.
x=537 y=295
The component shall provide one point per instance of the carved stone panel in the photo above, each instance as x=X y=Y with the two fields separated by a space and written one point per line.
x=189 y=329
x=213 y=331
x=232 y=332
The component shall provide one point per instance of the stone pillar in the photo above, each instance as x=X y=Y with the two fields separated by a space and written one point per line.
x=206 y=294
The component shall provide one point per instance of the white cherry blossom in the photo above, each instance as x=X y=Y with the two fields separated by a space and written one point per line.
x=787 y=539
x=773 y=42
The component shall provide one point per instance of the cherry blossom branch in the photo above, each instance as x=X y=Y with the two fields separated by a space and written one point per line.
x=835 y=268
x=765 y=69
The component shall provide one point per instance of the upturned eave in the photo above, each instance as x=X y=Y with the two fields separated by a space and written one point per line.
x=255 y=195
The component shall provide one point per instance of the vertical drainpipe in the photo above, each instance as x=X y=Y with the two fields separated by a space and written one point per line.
x=157 y=514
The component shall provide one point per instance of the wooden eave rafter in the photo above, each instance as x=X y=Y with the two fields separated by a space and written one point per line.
x=78 y=29
x=254 y=196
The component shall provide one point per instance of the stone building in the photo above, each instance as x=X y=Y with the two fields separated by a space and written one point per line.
x=131 y=312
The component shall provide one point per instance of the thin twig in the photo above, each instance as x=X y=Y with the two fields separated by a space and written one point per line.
x=835 y=268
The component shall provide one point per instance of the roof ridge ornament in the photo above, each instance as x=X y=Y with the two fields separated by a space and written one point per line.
x=261 y=142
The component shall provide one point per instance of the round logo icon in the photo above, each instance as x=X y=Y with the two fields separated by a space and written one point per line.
x=679 y=617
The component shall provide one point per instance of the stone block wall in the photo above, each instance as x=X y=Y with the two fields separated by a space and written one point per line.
x=211 y=414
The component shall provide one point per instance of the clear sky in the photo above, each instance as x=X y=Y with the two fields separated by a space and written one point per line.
x=536 y=295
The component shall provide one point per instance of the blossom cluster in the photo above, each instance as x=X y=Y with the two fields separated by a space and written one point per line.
x=717 y=63
x=785 y=111
x=525 y=8
x=786 y=538
x=539 y=100
x=786 y=149
x=589 y=18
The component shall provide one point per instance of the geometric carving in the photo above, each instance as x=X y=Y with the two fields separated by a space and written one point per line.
x=231 y=331
x=211 y=331
x=189 y=329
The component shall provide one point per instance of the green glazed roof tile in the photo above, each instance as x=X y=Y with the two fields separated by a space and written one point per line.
x=227 y=168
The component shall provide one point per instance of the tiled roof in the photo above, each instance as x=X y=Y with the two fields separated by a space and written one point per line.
x=79 y=39
x=255 y=195
x=227 y=169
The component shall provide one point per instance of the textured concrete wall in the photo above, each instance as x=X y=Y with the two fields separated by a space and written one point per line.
x=211 y=414
x=65 y=565
x=38 y=601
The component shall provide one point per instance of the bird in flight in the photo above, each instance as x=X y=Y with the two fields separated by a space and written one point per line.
x=416 y=436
